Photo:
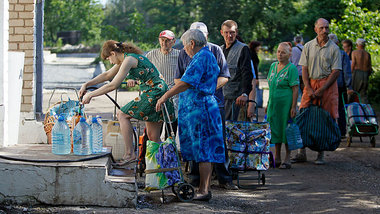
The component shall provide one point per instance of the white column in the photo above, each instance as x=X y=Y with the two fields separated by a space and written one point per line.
x=12 y=97
x=4 y=36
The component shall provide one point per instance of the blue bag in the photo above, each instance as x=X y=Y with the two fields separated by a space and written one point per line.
x=319 y=131
x=259 y=97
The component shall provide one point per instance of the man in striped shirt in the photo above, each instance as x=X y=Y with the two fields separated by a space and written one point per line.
x=165 y=58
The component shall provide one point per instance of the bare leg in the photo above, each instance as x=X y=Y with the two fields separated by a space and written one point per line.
x=127 y=132
x=153 y=130
x=277 y=153
x=287 y=156
x=205 y=171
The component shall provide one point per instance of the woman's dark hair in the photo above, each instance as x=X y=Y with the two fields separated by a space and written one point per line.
x=120 y=47
x=253 y=45
x=349 y=42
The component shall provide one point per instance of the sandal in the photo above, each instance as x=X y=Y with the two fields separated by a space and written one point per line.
x=205 y=197
x=285 y=166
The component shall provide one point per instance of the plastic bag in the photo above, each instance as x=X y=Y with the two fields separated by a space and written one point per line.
x=158 y=157
x=293 y=136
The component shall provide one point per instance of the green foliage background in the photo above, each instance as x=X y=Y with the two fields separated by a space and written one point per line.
x=268 y=21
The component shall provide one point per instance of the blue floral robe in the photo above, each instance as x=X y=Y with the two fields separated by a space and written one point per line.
x=199 y=120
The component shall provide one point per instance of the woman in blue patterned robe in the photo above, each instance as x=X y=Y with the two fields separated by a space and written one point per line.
x=199 y=120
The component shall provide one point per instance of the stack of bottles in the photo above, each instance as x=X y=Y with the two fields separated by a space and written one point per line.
x=87 y=139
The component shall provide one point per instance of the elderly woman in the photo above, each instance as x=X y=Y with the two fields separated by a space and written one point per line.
x=283 y=92
x=129 y=63
x=199 y=120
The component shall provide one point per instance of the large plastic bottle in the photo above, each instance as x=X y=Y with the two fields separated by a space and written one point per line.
x=97 y=135
x=293 y=136
x=82 y=136
x=61 y=137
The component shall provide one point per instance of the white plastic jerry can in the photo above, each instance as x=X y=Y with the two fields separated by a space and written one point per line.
x=115 y=140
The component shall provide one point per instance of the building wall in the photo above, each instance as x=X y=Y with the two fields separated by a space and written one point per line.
x=21 y=39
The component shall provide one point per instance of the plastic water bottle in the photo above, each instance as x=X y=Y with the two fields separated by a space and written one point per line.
x=293 y=136
x=97 y=136
x=61 y=137
x=82 y=136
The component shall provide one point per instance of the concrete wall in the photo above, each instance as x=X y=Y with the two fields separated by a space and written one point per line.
x=62 y=185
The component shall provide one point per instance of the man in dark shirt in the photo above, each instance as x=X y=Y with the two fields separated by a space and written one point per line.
x=239 y=64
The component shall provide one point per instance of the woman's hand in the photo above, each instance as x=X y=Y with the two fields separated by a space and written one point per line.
x=131 y=83
x=82 y=91
x=87 y=98
x=293 y=112
x=160 y=101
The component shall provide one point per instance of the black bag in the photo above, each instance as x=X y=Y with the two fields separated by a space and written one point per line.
x=319 y=131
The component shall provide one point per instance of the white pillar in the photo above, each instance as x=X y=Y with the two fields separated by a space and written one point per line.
x=4 y=36
x=12 y=97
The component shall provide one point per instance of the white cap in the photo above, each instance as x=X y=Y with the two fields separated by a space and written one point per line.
x=200 y=26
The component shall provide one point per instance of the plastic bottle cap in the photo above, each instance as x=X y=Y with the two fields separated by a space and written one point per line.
x=61 y=118
x=94 y=120
x=82 y=119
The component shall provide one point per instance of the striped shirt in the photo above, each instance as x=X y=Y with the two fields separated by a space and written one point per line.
x=166 y=64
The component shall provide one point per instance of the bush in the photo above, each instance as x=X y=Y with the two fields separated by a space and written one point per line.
x=266 y=60
x=374 y=88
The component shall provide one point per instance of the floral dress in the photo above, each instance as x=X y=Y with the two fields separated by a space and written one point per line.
x=280 y=99
x=152 y=86
x=199 y=119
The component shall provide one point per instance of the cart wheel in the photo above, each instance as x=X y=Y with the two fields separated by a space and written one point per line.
x=185 y=192
x=263 y=179
x=349 y=141
x=373 y=141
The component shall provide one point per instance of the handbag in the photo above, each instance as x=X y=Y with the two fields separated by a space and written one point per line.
x=259 y=97
x=319 y=131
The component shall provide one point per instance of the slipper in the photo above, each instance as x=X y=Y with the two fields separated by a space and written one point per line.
x=124 y=162
x=285 y=166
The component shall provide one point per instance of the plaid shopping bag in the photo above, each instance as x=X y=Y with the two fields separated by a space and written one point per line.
x=319 y=131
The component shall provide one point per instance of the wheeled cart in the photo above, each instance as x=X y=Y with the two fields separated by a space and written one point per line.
x=248 y=144
x=163 y=167
x=361 y=121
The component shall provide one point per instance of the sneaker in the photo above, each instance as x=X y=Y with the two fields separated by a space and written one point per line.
x=319 y=160
x=229 y=186
x=299 y=158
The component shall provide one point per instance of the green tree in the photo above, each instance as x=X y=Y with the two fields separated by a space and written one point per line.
x=328 y=9
x=357 y=23
x=85 y=16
